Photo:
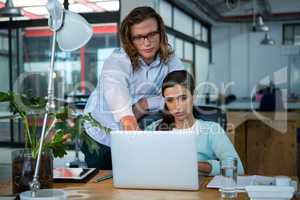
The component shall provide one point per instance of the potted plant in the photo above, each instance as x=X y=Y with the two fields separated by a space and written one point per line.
x=61 y=122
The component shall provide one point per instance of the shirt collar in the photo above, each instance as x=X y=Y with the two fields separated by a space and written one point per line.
x=155 y=63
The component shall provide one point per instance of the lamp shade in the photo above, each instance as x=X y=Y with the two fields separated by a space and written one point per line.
x=9 y=10
x=74 y=33
x=260 y=26
x=267 y=40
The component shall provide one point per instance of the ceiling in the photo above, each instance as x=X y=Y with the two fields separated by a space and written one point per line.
x=209 y=10
x=243 y=10
x=36 y=9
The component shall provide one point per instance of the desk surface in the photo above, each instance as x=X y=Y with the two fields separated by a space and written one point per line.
x=105 y=190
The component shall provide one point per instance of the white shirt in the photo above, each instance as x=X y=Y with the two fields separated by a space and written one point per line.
x=119 y=87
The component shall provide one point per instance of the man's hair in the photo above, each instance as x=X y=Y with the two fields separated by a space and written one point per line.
x=136 y=16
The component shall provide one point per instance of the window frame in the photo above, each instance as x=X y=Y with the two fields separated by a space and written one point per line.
x=284 y=26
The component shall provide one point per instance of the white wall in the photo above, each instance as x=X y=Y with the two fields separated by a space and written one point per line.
x=239 y=57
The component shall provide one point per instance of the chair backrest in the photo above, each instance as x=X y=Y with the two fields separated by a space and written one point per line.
x=205 y=113
x=211 y=113
x=78 y=100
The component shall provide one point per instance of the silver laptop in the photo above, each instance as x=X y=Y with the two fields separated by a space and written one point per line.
x=154 y=160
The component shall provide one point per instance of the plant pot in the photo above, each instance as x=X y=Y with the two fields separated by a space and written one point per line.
x=23 y=166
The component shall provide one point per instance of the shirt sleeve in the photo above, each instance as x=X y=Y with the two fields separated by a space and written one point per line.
x=175 y=64
x=115 y=85
x=222 y=148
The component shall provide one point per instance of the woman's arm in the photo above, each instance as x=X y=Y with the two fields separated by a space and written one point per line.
x=222 y=148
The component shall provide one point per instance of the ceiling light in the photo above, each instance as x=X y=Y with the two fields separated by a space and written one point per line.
x=259 y=26
x=267 y=40
x=9 y=10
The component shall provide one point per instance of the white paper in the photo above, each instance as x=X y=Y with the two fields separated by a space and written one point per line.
x=243 y=181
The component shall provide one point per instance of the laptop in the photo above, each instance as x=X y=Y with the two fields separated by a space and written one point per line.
x=154 y=160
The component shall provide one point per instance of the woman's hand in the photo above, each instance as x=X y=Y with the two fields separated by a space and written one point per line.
x=204 y=167
x=129 y=123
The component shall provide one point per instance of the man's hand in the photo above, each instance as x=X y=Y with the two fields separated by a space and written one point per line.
x=129 y=123
x=140 y=108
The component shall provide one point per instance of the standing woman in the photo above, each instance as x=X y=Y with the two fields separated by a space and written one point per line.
x=130 y=80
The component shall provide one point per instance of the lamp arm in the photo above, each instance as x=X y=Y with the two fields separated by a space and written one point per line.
x=35 y=184
x=56 y=14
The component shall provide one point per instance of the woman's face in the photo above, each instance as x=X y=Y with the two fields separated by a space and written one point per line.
x=179 y=102
x=146 y=39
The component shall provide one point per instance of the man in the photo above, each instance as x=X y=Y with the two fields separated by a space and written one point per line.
x=130 y=81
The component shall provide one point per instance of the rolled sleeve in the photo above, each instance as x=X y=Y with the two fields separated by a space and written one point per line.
x=97 y=134
x=114 y=80
x=215 y=167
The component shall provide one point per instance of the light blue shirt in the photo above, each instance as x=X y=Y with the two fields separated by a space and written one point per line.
x=213 y=144
x=119 y=87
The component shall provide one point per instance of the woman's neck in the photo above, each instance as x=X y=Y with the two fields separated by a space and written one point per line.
x=186 y=123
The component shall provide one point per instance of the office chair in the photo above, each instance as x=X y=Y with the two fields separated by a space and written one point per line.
x=205 y=113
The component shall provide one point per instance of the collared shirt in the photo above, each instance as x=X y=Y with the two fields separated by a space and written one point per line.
x=119 y=87
x=213 y=144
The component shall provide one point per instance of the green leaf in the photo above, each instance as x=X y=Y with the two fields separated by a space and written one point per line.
x=57 y=145
x=63 y=113
x=91 y=144
x=33 y=102
x=4 y=97
x=95 y=123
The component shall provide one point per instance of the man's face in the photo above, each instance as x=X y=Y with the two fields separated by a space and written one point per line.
x=146 y=39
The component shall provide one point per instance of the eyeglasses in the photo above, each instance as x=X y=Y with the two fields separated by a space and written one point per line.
x=151 y=37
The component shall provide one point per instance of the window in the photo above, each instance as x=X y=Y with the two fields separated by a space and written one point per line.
x=74 y=70
x=204 y=34
x=165 y=10
x=183 y=22
x=179 y=47
x=171 y=40
x=188 y=51
x=197 y=31
x=291 y=34
x=25 y=50
x=188 y=36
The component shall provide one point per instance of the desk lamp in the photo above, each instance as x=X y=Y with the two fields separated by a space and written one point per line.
x=71 y=31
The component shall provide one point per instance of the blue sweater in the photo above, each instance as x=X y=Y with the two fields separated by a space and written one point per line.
x=212 y=144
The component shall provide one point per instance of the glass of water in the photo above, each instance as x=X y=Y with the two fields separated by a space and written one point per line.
x=229 y=178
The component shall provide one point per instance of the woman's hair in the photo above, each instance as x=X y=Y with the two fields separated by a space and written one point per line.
x=136 y=16
x=182 y=78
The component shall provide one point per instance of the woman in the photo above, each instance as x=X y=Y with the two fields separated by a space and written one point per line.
x=131 y=79
x=212 y=142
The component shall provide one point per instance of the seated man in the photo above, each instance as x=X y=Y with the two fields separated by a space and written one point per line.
x=212 y=142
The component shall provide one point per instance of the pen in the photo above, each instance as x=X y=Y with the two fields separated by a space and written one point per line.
x=103 y=178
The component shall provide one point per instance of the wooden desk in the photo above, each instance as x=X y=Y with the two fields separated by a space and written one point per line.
x=105 y=190
x=266 y=142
